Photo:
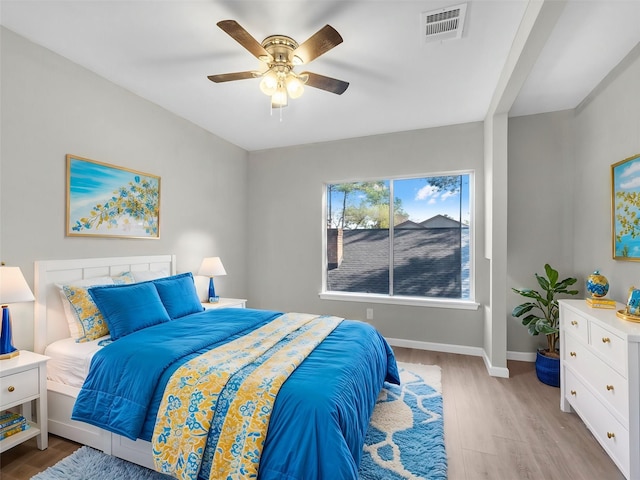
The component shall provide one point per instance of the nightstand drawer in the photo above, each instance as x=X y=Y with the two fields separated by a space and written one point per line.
x=14 y=389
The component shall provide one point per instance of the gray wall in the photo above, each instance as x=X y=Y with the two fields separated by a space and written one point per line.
x=286 y=224
x=540 y=210
x=607 y=130
x=51 y=107
x=560 y=189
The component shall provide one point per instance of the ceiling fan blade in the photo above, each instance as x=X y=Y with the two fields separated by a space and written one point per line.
x=319 y=43
x=244 y=38
x=325 y=83
x=228 y=77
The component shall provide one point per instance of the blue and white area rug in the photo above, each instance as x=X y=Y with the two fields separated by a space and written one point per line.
x=405 y=439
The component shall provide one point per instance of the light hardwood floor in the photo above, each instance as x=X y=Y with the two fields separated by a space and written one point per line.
x=495 y=428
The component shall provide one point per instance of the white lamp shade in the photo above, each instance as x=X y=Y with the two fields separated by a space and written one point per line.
x=212 y=267
x=13 y=286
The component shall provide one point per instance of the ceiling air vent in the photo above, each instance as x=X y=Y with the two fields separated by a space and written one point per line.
x=443 y=24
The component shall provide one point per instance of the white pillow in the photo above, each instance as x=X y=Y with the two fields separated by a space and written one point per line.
x=146 y=275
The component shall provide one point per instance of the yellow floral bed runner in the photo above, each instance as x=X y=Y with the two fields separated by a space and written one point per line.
x=215 y=410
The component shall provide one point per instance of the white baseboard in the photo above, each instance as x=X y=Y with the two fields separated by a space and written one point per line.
x=501 y=372
x=522 y=356
x=436 y=347
x=465 y=350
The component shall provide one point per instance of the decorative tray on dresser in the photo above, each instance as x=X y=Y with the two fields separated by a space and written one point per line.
x=600 y=378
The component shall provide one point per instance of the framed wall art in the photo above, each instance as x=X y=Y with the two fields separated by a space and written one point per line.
x=625 y=203
x=104 y=200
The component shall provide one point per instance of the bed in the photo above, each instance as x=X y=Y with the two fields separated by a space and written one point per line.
x=319 y=416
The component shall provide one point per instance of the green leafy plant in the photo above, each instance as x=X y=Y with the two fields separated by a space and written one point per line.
x=541 y=315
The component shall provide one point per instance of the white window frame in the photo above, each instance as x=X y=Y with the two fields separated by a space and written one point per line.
x=460 y=304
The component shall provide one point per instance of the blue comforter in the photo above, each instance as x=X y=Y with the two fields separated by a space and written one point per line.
x=320 y=416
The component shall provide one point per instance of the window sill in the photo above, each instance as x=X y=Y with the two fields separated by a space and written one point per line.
x=399 y=300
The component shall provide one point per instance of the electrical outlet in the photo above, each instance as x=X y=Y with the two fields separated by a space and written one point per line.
x=369 y=313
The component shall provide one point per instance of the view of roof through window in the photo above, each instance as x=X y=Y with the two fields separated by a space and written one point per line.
x=423 y=252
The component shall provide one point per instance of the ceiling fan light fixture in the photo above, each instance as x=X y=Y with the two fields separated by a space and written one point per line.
x=269 y=83
x=279 y=99
x=295 y=86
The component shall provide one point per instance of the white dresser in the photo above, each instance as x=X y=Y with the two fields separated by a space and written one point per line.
x=600 y=378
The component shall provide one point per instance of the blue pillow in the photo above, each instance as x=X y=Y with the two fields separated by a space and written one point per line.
x=178 y=295
x=128 y=308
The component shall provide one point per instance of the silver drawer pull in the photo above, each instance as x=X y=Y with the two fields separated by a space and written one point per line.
x=609 y=387
x=573 y=392
x=611 y=435
x=606 y=340
x=574 y=322
x=573 y=354
x=11 y=388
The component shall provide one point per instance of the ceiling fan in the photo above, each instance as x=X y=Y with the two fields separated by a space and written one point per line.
x=281 y=54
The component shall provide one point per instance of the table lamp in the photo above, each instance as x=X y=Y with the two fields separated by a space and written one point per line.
x=212 y=267
x=13 y=289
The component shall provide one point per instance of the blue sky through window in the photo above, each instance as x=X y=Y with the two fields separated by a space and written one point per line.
x=419 y=199
x=422 y=201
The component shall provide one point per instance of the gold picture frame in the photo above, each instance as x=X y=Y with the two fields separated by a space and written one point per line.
x=105 y=200
x=625 y=209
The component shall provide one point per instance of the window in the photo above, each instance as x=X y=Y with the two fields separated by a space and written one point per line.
x=407 y=237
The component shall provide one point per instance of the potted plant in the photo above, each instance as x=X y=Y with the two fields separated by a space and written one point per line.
x=541 y=315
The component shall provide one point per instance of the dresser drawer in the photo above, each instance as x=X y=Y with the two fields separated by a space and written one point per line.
x=608 y=383
x=611 y=347
x=610 y=433
x=575 y=324
x=16 y=388
x=575 y=354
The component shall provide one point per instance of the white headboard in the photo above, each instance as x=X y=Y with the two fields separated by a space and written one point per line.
x=50 y=323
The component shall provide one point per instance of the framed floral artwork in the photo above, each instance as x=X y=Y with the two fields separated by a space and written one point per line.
x=625 y=204
x=104 y=200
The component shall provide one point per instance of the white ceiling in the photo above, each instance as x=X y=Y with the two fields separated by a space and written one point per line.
x=163 y=51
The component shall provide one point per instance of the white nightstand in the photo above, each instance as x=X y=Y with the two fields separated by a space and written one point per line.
x=23 y=379
x=226 y=303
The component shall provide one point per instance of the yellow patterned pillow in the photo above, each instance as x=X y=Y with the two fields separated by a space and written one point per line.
x=90 y=323
x=78 y=317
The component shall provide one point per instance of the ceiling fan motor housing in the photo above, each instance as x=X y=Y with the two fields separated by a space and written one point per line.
x=280 y=48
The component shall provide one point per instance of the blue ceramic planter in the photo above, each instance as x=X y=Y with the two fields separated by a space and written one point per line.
x=548 y=370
